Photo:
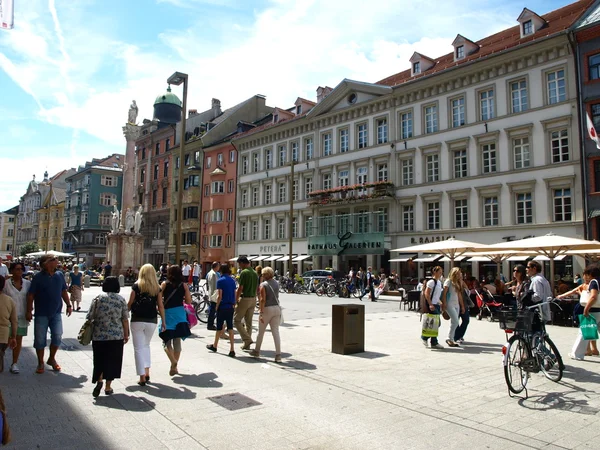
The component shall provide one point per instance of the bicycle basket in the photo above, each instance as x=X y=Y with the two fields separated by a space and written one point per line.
x=516 y=320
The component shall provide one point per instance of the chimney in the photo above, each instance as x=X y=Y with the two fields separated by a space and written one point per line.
x=46 y=176
x=216 y=107
x=323 y=92
x=192 y=112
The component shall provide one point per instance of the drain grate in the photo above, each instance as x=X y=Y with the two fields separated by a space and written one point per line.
x=234 y=401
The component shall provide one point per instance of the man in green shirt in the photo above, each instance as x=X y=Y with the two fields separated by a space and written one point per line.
x=245 y=297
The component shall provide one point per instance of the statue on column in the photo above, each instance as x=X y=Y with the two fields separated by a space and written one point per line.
x=129 y=220
x=138 y=219
x=133 y=113
x=114 y=225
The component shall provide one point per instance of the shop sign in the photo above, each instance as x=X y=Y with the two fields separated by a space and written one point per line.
x=270 y=249
x=347 y=243
x=428 y=239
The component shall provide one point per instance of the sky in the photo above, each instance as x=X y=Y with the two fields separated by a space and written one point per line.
x=70 y=69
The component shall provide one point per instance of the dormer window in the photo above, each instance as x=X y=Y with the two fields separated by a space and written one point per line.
x=527 y=27
x=275 y=118
x=417 y=67
x=463 y=47
x=460 y=52
x=299 y=109
x=420 y=63
x=530 y=22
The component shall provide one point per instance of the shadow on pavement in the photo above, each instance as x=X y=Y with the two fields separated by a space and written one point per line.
x=579 y=374
x=369 y=355
x=203 y=380
x=163 y=391
x=124 y=402
x=477 y=348
x=560 y=401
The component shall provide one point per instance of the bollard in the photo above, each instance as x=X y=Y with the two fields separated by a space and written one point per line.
x=122 y=280
x=86 y=281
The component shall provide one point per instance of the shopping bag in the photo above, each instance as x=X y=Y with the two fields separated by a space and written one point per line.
x=191 y=315
x=431 y=325
x=589 y=327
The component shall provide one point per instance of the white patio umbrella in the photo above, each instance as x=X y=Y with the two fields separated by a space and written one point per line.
x=50 y=252
x=450 y=248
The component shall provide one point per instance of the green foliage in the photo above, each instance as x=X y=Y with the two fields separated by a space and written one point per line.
x=29 y=247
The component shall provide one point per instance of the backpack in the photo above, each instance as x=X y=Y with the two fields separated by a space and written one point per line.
x=423 y=305
x=144 y=305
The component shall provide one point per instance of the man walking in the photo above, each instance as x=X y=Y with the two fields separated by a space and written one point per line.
x=211 y=283
x=370 y=285
x=540 y=288
x=107 y=270
x=196 y=275
x=246 y=301
x=185 y=271
x=47 y=292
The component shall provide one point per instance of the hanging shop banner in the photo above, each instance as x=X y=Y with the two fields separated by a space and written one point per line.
x=347 y=243
x=7 y=14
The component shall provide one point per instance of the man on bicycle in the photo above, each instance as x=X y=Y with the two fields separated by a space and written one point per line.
x=539 y=289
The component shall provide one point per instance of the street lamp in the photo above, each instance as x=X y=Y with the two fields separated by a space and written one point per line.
x=291 y=227
x=176 y=79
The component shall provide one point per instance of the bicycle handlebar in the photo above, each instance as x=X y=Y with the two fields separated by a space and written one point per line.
x=549 y=300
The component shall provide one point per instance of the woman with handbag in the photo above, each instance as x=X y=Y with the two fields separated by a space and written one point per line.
x=270 y=313
x=76 y=287
x=110 y=332
x=175 y=293
x=145 y=303
x=453 y=305
x=17 y=287
x=465 y=316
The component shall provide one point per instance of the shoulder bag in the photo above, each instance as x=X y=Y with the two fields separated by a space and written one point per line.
x=87 y=329
x=281 y=321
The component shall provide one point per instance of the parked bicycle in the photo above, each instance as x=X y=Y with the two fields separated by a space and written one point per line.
x=201 y=305
x=528 y=351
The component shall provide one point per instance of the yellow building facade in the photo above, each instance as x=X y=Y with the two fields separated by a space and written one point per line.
x=51 y=220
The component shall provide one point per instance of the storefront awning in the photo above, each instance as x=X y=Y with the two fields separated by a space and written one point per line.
x=458 y=258
x=594 y=213
x=235 y=258
x=400 y=259
x=285 y=258
x=301 y=258
x=273 y=258
x=537 y=258
x=428 y=258
x=252 y=257
x=479 y=259
x=260 y=258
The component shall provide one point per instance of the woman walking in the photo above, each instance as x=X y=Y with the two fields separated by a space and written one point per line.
x=111 y=332
x=270 y=313
x=225 y=308
x=16 y=288
x=175 y=292
x=453 y=302
x=520 y=284
x=145 y=303
x=76 y=287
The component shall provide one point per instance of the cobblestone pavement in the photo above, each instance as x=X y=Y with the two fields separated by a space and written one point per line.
x=397 y=394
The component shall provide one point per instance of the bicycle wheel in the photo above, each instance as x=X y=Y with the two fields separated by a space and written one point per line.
x=202 y=308
x=320 y=290
x=331 y=290
x=551 y=363
x=356 y=292
x=516 y=352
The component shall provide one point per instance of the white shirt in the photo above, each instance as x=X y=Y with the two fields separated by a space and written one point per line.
x=435 y=287
x=3 y=270
x=196 y=270
x=185 y=270
x=541 y=292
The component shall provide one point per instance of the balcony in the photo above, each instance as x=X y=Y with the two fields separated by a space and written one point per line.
x=351 y=194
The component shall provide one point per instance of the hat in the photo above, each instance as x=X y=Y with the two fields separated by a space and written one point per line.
x=243 y=260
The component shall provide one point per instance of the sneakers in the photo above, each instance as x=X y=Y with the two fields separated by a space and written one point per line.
x=451 y=343
x=277 y=358
x=255 y=354
x=231 y=354
x=437 y=347
x=211 y=347
x=576 y=358
x=14 y=368
x=424 y=342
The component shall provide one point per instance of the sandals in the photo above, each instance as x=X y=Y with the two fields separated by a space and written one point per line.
x=39 y=370
x=109 y=391
x=211 y=347
x=54 y=366
x=141 y=383
x=97 y=389
x=173 y=370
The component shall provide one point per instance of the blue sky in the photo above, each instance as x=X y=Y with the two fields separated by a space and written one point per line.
x=69 y=69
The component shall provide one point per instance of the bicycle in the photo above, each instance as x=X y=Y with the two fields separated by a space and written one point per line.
x=528 y=351
x=201 y=305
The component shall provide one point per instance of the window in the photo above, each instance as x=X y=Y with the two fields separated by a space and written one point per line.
x=100 y=239
x=308 y=226
x=407 y=172
x=216 y=241
x=85 y=201
x=243 y=231
x=155 y=174
x=244 y=165
x=244 y=198
x=206 y=217
x=327 y=144
x=166 y=168
x=408 y=218
x=254 y=230
x=562 y=205
x=229 y=215
x=344 y=140
x=228 y=244
x=382 y=172
x=220 y=159
x=108 y=180
x=461 y=214
x=216 y=215
x=294 y=151
x=230 y=186
x=267 y=229
x=362 y=221
x=106 y=199
x=382 y=131
x=167 y=144
x=596 y=116
x=597 y=175
x=431 y=121
x=191 y=212
x=433 y=215
x=460 y=163
x=416 y=67
x=362 y=135
x=84 y=219
x=521 y=152
x=205 y=241
x=490 y=211
x=282 y=155
x=361 y=178
x=142 y=175
x=282 y=196
x=527 y=27
x=11 y=232
x=154 y=197
x=268 y=194
x=164 y=196
x=518 y=96
x=488 y=155
x=193 y=180
x=594 y=66
x=206 y=190
x=295 y=189
x=197 y=157
x=187 y=159
x=559 y=142
x=308 y=148
x=268 y=159
x=486 y=104
x=343 y=178
x=524 y=207
x=458 y=112
x=295 y=227
x=218 y=187
x=280 y=228
x=406 y=125
x=177 y=161
x=299 y=109
x=144 y=153
x=460 y=52
x=326 y=181
x=255 y=163
x=382 y=220
x=208 y=161
x=255 y=196
x=556 y=86
x=232 y=156
x=308 y=186
x=433 y=168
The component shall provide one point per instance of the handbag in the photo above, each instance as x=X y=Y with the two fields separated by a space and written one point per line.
x=445 y=315
x=431 y=325
x=281 y=321
x=191 y=315
x=588 y=327
x=87 y=329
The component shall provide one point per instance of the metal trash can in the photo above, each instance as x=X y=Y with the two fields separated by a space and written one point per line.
x=348 y=329
x=86 y=281
x=122 y=280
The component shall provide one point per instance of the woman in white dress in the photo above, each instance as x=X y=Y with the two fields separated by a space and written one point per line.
x=17 y=288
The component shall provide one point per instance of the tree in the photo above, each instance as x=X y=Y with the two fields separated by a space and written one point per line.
x=29 y=247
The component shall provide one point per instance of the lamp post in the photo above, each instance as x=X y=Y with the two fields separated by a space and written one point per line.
x=291 y=265
x=176 y=79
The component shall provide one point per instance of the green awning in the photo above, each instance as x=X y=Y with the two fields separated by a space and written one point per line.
x=594 y=213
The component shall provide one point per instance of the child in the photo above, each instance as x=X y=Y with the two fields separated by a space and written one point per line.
x=8 y=323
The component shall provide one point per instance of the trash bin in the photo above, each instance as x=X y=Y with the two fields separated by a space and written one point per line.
x=122 y=280
x=86 y=281
x=348 y=329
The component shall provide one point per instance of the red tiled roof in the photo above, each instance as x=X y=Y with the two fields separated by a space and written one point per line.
x=307 y=101
x=556 y=21
x=266 y=126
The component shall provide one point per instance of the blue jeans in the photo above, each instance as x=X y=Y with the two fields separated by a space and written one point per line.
x=464 y=323
x=437 y=310
x=195 y=283
x=40 y=330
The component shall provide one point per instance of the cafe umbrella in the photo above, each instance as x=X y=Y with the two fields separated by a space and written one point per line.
x=451 y=248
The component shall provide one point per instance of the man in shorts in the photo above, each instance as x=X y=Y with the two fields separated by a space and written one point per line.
x=246 y=301
x=225 y=308
x=47 y=293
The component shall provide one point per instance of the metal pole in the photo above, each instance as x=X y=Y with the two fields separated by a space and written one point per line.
x=291 y=266
x=180 y=181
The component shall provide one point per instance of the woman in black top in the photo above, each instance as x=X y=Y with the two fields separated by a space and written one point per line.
x=175 y=292
x=144 y=302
